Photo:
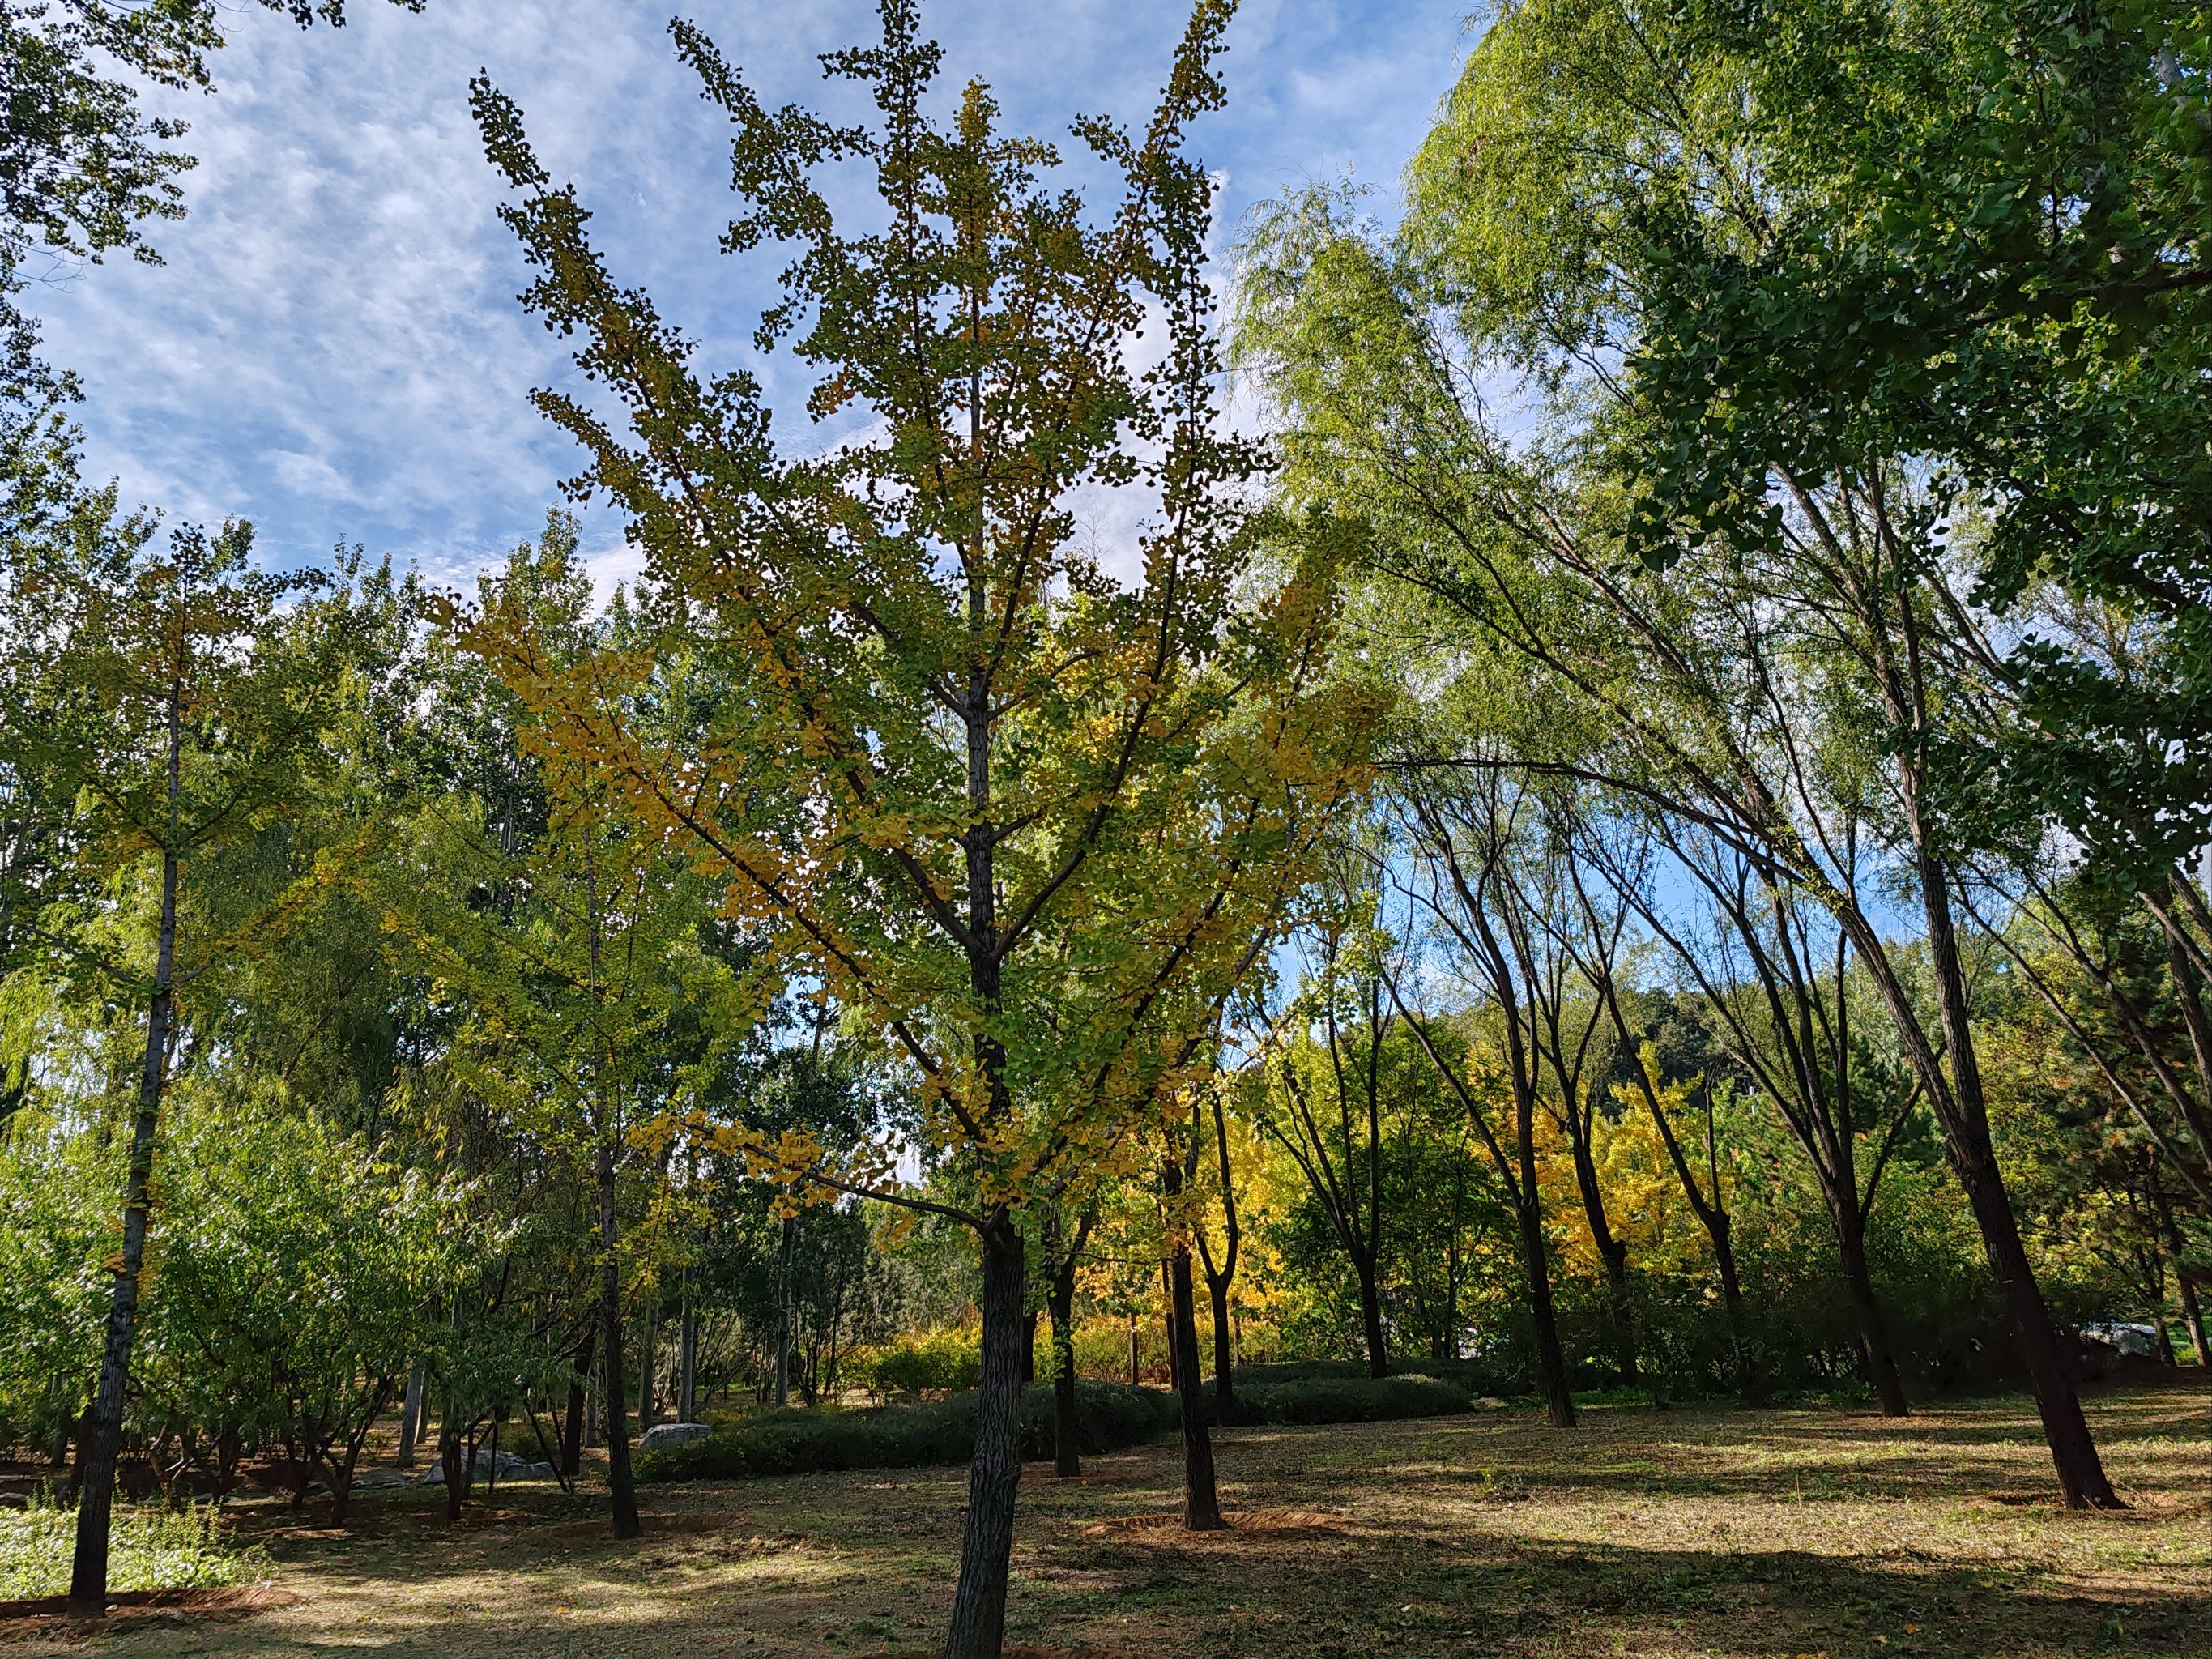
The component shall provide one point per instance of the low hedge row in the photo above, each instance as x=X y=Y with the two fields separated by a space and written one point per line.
x=1109 y=1416
x=1477 y=1378
x=1348 y=1399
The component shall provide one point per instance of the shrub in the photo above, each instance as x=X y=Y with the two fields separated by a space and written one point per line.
x=149 y=1549
x=1298 y=1371
x=940 y=1362
x=1109 y=1416
x=1349 y=1399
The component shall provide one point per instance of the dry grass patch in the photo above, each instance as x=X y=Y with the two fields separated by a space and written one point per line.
x=1682 y=1535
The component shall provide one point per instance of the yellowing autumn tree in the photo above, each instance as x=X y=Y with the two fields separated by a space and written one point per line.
x=1023 y=811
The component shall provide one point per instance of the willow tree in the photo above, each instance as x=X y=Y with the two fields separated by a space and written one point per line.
x=1778 y=645
x=1020 y=806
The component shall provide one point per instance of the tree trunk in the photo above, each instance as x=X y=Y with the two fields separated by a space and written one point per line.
x=2192 y=1316
x=1133 y=1373
x=1168 y=1327
x=103 y=1443
x=987 y=1541
x=1370 y=1316
x=1201 y=1503
x=2051 y=1369
x=1876 y=1355
x=1612 y=1251
x=1750 y=1381
x=1621 y=1309
x=580 y=1395
x=649 y=1406
x=410 y=1415
x=1029 y=1348
x=1224 y=1367
x=622 y=1493
x=687 y=1364
x=449 y=1462
x=1066 y=1455
x=1551 y=1363
x=783 y=1316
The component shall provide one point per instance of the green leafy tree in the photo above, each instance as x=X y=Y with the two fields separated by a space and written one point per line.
x=1021 y=818
x=185 y=703
x=567 y=935
x=1808 y=656
x=295 y=1278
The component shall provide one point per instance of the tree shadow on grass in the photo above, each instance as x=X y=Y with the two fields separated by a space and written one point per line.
x=1479 y=1592
x=1941 y=1456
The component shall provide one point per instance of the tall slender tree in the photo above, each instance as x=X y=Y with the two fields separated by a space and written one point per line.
x=183 y=701
x=1018 y=808
x=1593 y=170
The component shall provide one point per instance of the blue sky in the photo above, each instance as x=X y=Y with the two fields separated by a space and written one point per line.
x=332 y=348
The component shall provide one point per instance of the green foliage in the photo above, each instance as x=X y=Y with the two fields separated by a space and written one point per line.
x=56 y=1222
x=1347 y=1399
x=941 y=1360
x=296 y=1278
x=149 y=1549
x=1110 y=1417
x=1025 y=819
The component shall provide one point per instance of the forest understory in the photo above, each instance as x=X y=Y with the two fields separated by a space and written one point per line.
x=1664 y=1534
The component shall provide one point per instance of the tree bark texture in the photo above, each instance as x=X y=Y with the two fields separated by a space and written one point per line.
x=1067 y=1454
x=622 y=1492
x=1370 y=1319
x=410 y=1415
x=1875 y=1354
x=986 y=1542
x=1201 y=1503
x=2051 y=1367
x=1224 y=1371
x=450 y=1464
x=1612 y=1251
x=579 y=1394
x=783 y=1314
x=1551 y=1362
x=103 y=1441
x=687 y=1364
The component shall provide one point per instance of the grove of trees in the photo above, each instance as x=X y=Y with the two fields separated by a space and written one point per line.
x=1644 y=829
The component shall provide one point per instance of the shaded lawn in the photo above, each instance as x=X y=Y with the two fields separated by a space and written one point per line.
x=1679 y=1533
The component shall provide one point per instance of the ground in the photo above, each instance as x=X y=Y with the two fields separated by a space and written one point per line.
x=1676 y=1533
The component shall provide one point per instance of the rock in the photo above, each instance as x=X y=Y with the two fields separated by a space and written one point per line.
x=374 y=1479
x=2130 y=1341
x=509 y=1466
x=662 y=1435
x=1490 y=1402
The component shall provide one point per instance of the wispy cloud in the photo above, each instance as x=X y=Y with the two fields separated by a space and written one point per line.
x=333 y=347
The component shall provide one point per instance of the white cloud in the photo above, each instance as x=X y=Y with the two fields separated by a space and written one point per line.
x=334 y=350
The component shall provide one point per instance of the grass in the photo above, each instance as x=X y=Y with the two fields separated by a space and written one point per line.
x=149 y=1549
x=1689 y=1534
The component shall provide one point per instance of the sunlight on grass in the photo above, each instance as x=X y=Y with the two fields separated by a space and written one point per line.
x=150 y=1549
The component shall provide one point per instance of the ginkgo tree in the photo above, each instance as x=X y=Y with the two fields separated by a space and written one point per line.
x=174 y=702
x=561 y=928
x=1021 y=806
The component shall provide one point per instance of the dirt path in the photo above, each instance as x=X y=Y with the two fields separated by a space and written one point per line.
x=1646 y=1533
